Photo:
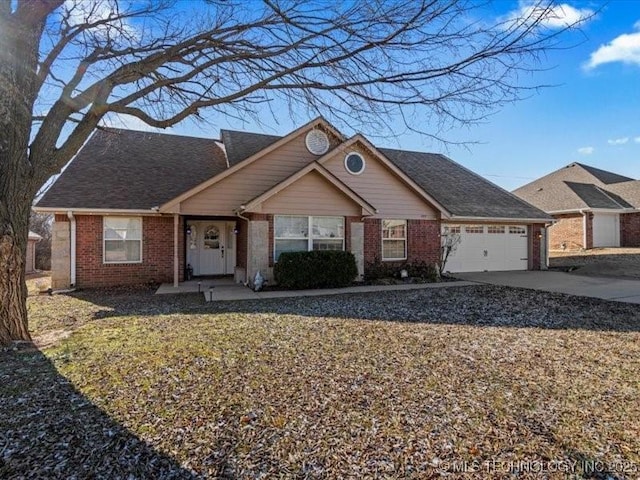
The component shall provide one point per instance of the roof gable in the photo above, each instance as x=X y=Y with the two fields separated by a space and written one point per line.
x=409 y=183
x=314 y=167
x=241 y=163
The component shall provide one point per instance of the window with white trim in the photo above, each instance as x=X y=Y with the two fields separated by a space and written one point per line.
x=122 y=239
x=394 y=239
x=495 y=229
x=301 y=234
x=517 y=230
x=451 y=229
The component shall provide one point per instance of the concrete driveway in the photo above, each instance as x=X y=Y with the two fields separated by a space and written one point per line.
x=620 y=290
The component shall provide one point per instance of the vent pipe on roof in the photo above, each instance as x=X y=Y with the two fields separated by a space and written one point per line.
x=72 y=221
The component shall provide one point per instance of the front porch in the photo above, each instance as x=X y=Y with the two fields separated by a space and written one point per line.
x=206 y=247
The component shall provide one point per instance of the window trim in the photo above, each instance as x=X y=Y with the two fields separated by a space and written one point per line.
x=364 y=163
x=309 y=238
x=104 y=240
x=405 y=239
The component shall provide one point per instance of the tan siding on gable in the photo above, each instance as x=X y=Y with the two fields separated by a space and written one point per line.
x=225 y=196
x=381 y=188
x=311 y=195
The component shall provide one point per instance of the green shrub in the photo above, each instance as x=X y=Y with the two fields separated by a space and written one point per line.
x=378 y=270
x=316 y=269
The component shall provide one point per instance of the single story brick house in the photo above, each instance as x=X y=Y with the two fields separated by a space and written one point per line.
x=592 y=207
x=136 y=207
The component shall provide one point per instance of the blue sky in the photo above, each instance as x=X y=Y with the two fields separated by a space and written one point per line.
x=590 y=116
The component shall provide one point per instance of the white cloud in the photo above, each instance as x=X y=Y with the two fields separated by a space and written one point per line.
x=618 y=141
x=557 y=16
x=586 y=150
x=81 y=11
x=637 y=139
x=624 y=48
x=128 y=122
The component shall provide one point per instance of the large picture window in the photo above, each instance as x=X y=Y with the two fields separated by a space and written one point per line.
x=122 y=239
x=302 y=233
x=394 y=239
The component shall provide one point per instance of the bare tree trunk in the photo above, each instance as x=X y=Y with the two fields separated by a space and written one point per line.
x=13 y=290
x=19 y=37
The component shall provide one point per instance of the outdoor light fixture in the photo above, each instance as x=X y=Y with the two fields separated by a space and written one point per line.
x=189 y=230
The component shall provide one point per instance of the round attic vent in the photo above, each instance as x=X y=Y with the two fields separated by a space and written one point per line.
x=317 y=142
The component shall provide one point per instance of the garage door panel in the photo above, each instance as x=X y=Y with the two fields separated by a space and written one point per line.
x=606 y=230
x=505 y=249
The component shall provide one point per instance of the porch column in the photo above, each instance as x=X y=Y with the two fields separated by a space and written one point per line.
x=176 y=259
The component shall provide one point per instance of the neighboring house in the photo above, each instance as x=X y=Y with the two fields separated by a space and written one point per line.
x=592 y=207
x=30 y=265
x=137 y=207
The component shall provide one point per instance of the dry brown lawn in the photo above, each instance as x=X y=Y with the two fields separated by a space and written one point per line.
x=463 y=382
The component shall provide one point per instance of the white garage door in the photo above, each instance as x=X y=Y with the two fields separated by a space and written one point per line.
x=488 y=248
x=606 y=230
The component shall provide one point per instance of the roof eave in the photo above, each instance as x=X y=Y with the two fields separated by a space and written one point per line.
x=466 y=218
x=97 y=211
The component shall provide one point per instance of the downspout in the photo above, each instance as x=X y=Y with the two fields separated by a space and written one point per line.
x=72 y=221
x=246 y=270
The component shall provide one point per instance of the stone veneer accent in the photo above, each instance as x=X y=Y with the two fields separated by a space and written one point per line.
x=61 y=252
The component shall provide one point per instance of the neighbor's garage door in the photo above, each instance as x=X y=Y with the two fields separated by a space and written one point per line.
x=488 y=247
x=606 y=230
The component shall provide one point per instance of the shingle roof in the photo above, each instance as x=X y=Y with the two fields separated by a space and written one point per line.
x=127 y=169
x=241 y=145
x=124 y=169
x=604 y=176
x=595 y=197
x=459 y=190
x=630 y=191
x=579 y=186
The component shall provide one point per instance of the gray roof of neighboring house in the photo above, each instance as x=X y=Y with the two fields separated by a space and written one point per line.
x=459 y=190
x=124 y=169
x=127 y=169
x=603 y=175
x=579 y=186
x=595 y=197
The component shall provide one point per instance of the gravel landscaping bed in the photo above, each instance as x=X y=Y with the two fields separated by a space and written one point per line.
x=472 y=382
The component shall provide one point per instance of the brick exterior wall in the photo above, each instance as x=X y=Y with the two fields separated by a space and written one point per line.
x=589 y=218
x=372 y=241
x=423 y=237
x=567 y=232
x=630 y=230
x=535 y=245
x=157 y=254
x=423 y=241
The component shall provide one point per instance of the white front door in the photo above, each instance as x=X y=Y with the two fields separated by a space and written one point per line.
x=212 y=246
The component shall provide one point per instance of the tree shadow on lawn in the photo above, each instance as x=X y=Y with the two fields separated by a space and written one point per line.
x=481 y=305
x=48 y=429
